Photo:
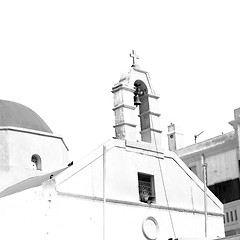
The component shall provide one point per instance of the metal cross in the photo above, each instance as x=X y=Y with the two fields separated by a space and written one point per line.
x=134 y=56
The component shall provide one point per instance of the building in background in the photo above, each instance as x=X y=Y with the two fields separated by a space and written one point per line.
x=221 y=155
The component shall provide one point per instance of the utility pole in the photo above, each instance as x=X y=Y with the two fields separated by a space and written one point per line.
x=104 y=191
x=204 y=166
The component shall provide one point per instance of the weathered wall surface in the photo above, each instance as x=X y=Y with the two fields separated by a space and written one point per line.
x=222 y=167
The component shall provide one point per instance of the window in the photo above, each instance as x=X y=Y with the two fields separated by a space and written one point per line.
x=227 y=217
x=36 y=162
x=231 y=214
x=146 y=188
x=236 y=217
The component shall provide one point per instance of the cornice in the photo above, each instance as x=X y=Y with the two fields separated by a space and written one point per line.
x=137 y=204
x=34 y=132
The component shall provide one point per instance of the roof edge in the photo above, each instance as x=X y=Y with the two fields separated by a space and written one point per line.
x=35 y=132
x=207 y=144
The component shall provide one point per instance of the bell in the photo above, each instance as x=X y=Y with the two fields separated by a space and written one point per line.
x=137 y=101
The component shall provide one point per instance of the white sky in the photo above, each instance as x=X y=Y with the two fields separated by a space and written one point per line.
x=61 y=59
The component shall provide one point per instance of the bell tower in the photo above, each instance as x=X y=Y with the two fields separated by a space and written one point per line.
x=132 y=93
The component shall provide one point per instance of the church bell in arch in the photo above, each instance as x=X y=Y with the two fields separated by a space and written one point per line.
x=135 y=89
x=137 y=93
x=137 y=101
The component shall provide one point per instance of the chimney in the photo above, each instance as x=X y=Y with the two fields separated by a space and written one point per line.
x=237 y=113
x=236 y=122
x=175 y=140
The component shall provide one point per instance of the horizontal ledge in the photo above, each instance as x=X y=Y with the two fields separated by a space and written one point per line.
x=127 y=124
x=120 y=86
x=137 y=204
x=34 y=132
x=124 y=106
x=150 y=113
x=150 y=129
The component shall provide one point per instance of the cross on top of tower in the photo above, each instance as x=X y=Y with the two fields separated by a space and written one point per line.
x=134 y=55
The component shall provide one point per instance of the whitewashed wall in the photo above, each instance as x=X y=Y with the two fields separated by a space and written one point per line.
x=71 y=205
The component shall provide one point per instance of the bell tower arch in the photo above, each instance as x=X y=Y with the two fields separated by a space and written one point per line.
x=134 y=93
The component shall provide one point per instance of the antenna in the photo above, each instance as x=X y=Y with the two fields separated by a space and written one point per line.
x=196 y=136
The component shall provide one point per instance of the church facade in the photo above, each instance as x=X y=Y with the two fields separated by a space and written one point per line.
x=126 y=189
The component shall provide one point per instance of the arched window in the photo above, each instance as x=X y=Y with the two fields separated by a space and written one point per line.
x=36 y=162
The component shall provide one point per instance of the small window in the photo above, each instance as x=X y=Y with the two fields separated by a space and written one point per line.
x=231 y=214
x=146 y=188
x=36 y=162
x=227 y=217
x=236 y=217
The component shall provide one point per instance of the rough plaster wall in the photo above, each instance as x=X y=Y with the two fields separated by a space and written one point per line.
x=222 y=167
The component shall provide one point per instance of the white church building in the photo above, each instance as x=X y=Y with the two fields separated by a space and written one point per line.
x=126 y=189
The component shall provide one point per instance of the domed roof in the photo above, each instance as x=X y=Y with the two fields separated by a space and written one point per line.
x=13 y=114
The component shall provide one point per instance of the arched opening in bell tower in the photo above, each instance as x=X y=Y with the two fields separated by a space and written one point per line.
x=141 y=102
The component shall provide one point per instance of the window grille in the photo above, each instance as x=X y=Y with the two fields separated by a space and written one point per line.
x=146 y=188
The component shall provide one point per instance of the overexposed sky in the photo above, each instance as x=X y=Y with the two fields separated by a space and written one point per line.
x=61 y=59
